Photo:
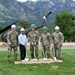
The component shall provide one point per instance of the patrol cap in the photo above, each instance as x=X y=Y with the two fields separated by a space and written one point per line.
x=13 y=26
x=33 y=26
x=57 y=27
x=45 y=28
x=22 y=29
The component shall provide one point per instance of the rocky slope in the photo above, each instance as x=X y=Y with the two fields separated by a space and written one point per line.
x=12 y=10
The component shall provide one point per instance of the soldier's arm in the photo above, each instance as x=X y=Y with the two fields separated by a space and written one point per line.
x=37 y=39
x=8 y=38
x=17 y=39
x=41 y=39
x=62 y=38
x=29 y=38
x=52 y=37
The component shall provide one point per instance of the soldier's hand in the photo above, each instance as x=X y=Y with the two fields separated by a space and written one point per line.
x=52 y=45
x=49 y=45
x=9 y=43
x=34 y=43
x=41 y=44
x=60 y=44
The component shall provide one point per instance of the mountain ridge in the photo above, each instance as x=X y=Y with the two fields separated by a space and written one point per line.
x=12 y=10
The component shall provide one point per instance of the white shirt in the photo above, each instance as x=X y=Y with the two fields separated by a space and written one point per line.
x=22 y=39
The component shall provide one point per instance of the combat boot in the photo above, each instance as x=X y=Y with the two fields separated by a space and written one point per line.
x=8 y=59
x=42 y=55
x=37 y=56
x=15 y=58
x=48 y=55
x=32 y=56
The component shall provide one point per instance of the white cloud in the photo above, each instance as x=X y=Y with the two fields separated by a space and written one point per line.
x=26 y=0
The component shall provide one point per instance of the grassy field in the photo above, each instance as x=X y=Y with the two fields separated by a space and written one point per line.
x=67 y=67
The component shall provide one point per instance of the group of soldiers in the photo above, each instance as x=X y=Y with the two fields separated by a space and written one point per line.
x=46 y=39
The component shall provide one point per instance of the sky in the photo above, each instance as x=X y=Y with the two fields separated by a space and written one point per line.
x=26 y=0
x=30 y=0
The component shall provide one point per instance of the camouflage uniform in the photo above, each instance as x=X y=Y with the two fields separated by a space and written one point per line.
x=58 y=39
x=46 y=42
x=33 y=37
x=12 y=39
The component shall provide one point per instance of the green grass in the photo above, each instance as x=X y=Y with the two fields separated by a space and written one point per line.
x=67 y=67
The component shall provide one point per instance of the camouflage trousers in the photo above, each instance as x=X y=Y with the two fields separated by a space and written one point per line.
x=10 y=50
x=57 y=51
x=46 y=51
x=34 y=51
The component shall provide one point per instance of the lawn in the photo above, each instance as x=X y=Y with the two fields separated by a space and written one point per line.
x=67 y=67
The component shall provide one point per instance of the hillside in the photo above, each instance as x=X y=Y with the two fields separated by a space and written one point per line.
x=12 y=10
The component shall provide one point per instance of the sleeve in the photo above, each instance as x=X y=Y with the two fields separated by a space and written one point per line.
x=52 y=37
x=20 y=41
x=29 y=38
x=37 y=39
x=8 y=38
x=49 y=38
x=17 y=38
x=62 y=38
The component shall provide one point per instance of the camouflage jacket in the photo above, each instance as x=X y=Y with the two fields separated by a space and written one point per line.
x=58 y=38
x=46 y=39
x=33 y=36
x=12 y=38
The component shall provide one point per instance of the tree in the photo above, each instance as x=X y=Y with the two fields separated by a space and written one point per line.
x=24 y=24
x=0 y=27
x=65 y=21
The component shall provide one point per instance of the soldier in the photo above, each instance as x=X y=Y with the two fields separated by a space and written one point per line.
x=46 y=42
x=58 y=39
x=12 y=40
x=33 y=38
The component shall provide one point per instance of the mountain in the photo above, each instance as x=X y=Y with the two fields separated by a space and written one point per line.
x=12 y=10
